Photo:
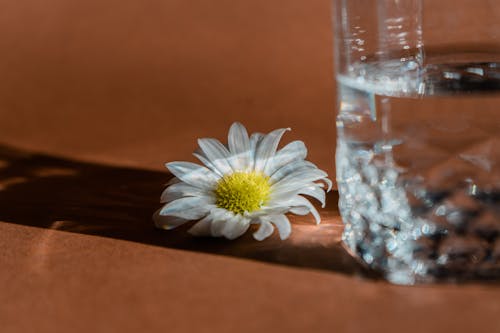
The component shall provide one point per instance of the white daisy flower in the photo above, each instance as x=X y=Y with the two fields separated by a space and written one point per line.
x=246 y=182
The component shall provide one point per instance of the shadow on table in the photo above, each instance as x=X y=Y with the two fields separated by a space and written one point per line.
x=49 y=192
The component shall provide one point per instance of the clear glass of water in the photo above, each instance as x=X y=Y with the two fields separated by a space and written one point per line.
x=418 y=148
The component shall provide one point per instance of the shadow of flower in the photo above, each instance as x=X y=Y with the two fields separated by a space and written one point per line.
x=49 y=192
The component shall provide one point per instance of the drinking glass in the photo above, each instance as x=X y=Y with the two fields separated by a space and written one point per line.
x=418 y=147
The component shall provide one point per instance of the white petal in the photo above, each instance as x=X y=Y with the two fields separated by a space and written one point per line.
x=216 y=153
x=313 y=190
x=294 y=151
x=265 y=230
x=193 y=174
x=235 y=227
x=219 y=217
x=298 y=179
x=239 y=147
x=180 y=190
x=202 y=228
x=301 y=174
x=282 y=224
x=255 y=140
x=216 y=227
x=241 y=162
x=298 y=204
x=267 y=148
x=167 y=222
x=295 y=166
x=300 y=210
x=173 y=180
x=238 y=140
x=269 y=210
x=203 y=159
x=191 y=208
x=328 y=182
x=306 y=175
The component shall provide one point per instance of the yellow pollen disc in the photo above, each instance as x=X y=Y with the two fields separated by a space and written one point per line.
x=242 y=192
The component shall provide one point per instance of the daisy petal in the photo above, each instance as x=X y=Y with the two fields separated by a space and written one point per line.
x=267 y=148
x=167 y=222
x=305 y=175
x=202 y=228
x=173 y=180
x=298 y=179
x=282 y=224
x=199 y=155
x=315 y=192
x=271 y=210
x=287 y=169
x=239 y=147
x=236 y=227
x=238 y=140
x=298 y=204
x=219 y=217
x=191 y=208
x=300 y=210
x=180 y=190
x=216 y=227
x=193 y=174
x=265 y=230
x=295 y=150
x=255 y=140
x=328 y=182
x=216 y=153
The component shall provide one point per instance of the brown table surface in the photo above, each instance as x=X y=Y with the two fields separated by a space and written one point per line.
x=96 y=95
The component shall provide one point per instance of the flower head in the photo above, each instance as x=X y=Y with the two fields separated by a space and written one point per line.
x=247 y=182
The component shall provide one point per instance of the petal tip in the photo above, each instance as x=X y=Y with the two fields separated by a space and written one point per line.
x=237 y=124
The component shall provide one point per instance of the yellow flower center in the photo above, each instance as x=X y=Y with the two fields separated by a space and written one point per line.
x=242 y=192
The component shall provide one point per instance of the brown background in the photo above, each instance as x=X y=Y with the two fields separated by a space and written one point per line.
x=90 y=87
x=135 y=82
